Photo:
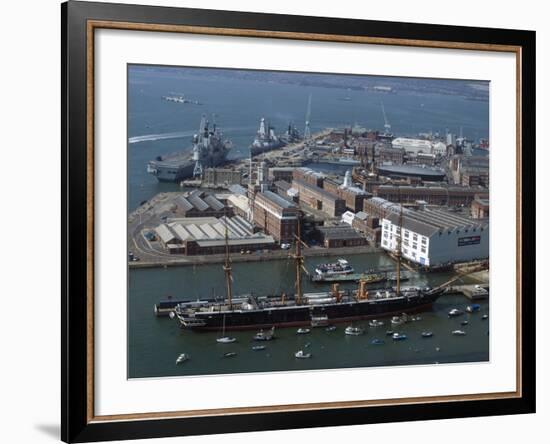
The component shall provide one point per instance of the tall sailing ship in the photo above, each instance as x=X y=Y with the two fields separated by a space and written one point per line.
x=249 y=311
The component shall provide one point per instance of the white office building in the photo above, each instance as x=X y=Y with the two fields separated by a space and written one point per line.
x=412 y=145
x=435 y=237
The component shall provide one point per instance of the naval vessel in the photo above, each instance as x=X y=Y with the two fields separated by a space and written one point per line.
x=208 y=150
x=265 y=140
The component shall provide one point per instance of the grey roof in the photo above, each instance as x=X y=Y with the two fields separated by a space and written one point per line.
x=237 y=189
x=197 y=202
x=183 y=203
x=214 y=203
x=412 y=169
x=283 y=184
x=165 y=233
x=429 y=222
x=265 y=240
x=361 y=215
x=339 y=233
x=278 y=200
x=316 y=189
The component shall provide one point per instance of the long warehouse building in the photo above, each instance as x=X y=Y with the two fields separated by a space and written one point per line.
x=435 y=237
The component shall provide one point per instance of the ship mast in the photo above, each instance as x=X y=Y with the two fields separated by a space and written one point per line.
x=299 y=260
x=227 y=268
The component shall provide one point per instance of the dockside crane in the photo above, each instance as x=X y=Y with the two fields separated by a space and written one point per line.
x=387 y=126
x=307 y=130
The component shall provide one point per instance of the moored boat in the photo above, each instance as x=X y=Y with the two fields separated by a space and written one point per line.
x=354 y=331
x=300 y=354
x=265 y=336
x=182 y=358
x=455 y=312
x=399 y=336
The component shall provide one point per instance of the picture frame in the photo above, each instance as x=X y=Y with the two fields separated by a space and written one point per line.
x=80 y=21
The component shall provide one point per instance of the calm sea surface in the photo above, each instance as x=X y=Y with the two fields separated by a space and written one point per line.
x=157 y=127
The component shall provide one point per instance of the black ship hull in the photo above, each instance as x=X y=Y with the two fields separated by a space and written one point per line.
x=301 y=315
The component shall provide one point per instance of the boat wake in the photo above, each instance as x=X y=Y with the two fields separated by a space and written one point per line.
x=153 y=137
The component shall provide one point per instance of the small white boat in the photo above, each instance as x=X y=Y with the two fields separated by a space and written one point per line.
x=303 y=331
x=319 y=321
x=464 y=322
x=427 y=334
x=455 y=312
x=396 y=320
x=301 y=355
x=263 y=336
x=375 y=323
x=354 y=331
x=226 y=340
x=399 y=336
x=182 y=358
x=258 y=347
x=229 y=354
x=330 y=328
x=485 y=316
x=473 y=308
x=459 y=332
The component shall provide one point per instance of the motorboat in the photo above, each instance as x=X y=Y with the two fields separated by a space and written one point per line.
x=455 y=312
x=427 y=334
x=303 y=331
x=330 y=328
x=473 y=308
x=396 y=320
x=459 y=332
x=301 y=355
x=354 y=331
x=258 y=347
x=264 y=336
x=485 y=316
x=377 y=342
x=399 y=336
x=319 y=321
x=225 y=340
x=389 y=332
x=375 y=323
x=182 y=358
x=465 y=322
x=229 y=354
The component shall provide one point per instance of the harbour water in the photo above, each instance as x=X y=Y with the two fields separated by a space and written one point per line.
x=157 y=127
x=155 y=343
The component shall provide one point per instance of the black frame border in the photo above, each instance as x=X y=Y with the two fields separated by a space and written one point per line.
x=75 y=426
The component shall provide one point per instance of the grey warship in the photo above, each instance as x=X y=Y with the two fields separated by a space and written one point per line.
x=209 y=150
x=265 y=140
